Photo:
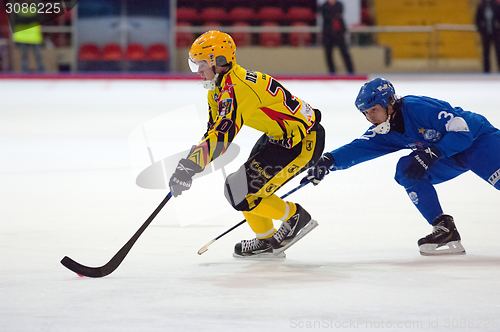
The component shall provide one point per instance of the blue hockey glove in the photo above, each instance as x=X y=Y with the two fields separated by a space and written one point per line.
x=420 y=162
x=318 y=171
x=183 y=176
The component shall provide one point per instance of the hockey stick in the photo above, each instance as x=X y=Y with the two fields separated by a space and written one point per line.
x=205 y=247
x=109 y=267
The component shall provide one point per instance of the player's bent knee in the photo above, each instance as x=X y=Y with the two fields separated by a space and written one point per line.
x=242 y=206
x=399 y=176
x=236 y=190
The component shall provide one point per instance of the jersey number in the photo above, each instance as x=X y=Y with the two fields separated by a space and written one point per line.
x=445 y=115
x=368 y=136
x=290 y=102
x=224 y=125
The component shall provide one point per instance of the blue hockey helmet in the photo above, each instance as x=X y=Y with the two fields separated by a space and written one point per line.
x=377 y=91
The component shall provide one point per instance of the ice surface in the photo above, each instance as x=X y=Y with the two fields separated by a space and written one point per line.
x=68 y=168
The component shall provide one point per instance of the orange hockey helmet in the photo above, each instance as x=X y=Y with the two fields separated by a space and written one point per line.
x=215 y=47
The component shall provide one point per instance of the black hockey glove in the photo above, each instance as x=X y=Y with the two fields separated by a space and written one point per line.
x=182 y=178
x=420 y=162
x=318 y=171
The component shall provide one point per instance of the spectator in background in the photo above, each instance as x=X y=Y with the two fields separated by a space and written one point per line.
x=367 y=19
x=488 y=25
x=28 y=34
x=366 y=15
x=334 y=34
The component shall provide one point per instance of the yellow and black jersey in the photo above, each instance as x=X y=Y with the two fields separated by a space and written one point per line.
x=258 y=101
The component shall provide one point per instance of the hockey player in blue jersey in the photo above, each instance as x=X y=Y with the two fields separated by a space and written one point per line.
x=446 y=142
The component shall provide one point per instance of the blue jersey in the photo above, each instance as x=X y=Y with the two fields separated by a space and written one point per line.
x=427 y=121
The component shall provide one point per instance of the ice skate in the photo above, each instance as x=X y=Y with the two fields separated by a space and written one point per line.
x=444 y=239
x=256 y=248
x=292 y=230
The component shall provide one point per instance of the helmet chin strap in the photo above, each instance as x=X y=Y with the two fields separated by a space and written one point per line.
x=210 y=85
x=384 y=127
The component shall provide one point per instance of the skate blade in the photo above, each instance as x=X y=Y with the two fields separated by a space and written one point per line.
x=263 y=256
x=450 y=248
x=303 y=232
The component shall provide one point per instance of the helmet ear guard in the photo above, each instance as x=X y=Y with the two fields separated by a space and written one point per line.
x=220 y=60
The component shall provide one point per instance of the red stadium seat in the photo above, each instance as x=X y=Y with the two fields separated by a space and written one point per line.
x=242 y=14
x=186 y=14
x=270 y=39
x=242 y=38
x=135 y=52
x=89 y=52
x=158 y=52
x=300 y=14
x=112 y=52
x=213 y=14
x=184 y=39
x=271 y=14
x=300 y=38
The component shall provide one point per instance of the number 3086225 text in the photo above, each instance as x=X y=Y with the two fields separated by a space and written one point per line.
x=34 y=8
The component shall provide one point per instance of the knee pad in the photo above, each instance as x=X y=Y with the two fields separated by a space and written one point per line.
x=399 y=176
x=236 y=189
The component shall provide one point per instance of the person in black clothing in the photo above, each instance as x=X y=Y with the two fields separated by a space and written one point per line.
x=334 y=34
x=488 y=25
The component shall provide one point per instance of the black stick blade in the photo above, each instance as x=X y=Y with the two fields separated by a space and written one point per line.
x=98 y=272
x=91 y=272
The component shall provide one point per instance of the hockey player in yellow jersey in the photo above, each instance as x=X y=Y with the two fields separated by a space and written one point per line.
x=292 y=141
